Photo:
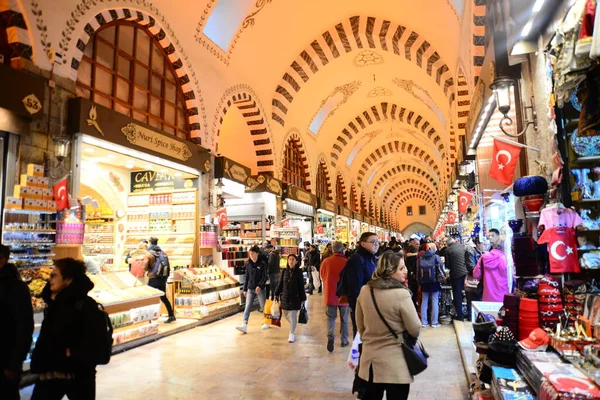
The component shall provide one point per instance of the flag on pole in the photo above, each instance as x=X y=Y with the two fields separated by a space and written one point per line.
x=451 y=217
x=61 y=194
x=504 y=161
x=222 y=216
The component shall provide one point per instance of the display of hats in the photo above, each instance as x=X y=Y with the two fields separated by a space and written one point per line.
x=537 y=340
x=528 y=317
x=503 y=340
x=530 y=185
x=483 y=327
x=550 y=301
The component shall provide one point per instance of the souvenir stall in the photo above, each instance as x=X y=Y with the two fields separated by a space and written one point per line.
x=372 y=227
x=343 y=225
x=355 y=227
x=325 y=223
x=298 y=211
x=364 y=225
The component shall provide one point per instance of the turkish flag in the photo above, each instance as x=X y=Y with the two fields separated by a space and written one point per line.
x=504 y=161
x=61 y=194
x=222 y=216
x=464 y=200
x=320 y=229
x=562 y=249
x=451 y=217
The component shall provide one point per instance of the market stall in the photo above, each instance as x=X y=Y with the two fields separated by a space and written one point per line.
x=355 y=227
x=299 y=210
x=325 y=223
x=342 y=225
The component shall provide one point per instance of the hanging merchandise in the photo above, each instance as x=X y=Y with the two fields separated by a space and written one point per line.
x=562 y=249
x=464 y=200
x=556 y=215
x=530 y=185
x=504 y=161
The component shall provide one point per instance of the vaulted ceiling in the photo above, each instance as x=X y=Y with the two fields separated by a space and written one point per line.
x=388 y=82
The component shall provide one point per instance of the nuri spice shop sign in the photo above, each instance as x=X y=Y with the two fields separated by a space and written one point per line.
x=103 y=123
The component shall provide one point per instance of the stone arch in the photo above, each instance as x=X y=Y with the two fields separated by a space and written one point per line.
x=322 y=163
x=246 y=101
x=463 y=103
x=478 y=34
x=415 y=227
x=353 y=198
x=191 y=95
x=410 y=182
x=382 y=185
x=385 y=111
x=405 y=196
x=401 y=169
x=294 y=135
x=13 y=24
x=353 y=34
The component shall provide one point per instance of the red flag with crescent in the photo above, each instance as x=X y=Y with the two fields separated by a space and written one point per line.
x=222 y=216
x=464 y=200
x=61 y=194
x=504 y=161
x=451 y=217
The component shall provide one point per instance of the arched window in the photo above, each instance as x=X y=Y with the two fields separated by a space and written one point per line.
x=124 y=68
x=371 y=209
x=322 y=189
x=353 y=199
x=340 y=192
x=293 y=167
x=363 y=204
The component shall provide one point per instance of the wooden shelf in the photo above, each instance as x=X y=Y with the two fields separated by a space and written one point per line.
x=587 y=160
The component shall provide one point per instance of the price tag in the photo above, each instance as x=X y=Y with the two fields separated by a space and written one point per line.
x=32 y=104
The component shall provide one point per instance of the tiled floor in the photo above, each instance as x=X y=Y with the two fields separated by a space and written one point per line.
x=217 y=362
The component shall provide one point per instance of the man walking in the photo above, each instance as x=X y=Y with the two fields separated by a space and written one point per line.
x=359 y=270
x=330 y=276
x=455 y=263
x=17 y=326
x=159 y=274
x=273 y=268
x=254 y=286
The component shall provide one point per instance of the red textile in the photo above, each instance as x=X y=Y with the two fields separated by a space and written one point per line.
x=504 y=162
x=330 y=275
x=562 y=249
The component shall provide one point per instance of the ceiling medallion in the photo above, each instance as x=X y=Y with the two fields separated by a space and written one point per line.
x=366 y=58
x=421 y=94
x=379 y=91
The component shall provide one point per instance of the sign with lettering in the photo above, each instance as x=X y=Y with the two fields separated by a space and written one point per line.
x=264 y=183
x=328 y=205
x=346 y=212
x=227 y=168
x=143 y=137
x=22 y=93
x=300 y=195
x=100 y=122
x=152 y=181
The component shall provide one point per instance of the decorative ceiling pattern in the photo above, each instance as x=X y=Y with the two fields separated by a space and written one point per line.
x=384 y=112
x=402 y=169
x=366 y=58
x=421 y=95
x=409 y=194
x=351 y=35
x=409 y=182
x=379 y=91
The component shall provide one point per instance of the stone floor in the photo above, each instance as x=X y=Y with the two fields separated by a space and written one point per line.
x=217 y=362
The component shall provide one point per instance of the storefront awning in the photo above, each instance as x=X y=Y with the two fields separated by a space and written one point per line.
x=264 y=183
x=295 y=193
x=102 y=123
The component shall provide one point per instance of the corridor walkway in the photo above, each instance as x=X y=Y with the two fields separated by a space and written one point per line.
x=217 y=362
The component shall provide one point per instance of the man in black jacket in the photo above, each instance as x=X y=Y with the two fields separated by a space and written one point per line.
x=254 y=285
x=17 y=326
x=455 y=263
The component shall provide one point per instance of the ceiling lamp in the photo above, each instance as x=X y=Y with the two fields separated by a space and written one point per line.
x=502 y=91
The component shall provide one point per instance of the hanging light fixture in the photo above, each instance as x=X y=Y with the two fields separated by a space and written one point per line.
x=61 y=147
x=219 y=185
x=502 y=87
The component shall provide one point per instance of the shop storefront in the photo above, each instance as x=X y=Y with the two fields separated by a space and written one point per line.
x=364 y=225
x=355 y=227
x=298 y=211
x=343 y=225
x=325 y=224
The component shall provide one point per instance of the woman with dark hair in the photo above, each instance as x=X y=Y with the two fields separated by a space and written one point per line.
x=411 y=265
x=61 y=354
x=290 y=293
x=382 y=367
x=314 y=261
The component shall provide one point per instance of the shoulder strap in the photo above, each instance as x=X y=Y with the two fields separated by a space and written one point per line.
x=381 y=315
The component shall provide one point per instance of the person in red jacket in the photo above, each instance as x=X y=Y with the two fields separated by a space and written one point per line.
x=331 y=268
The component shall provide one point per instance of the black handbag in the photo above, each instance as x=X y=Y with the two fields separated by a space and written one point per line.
x=414 y=352
x=303 y=315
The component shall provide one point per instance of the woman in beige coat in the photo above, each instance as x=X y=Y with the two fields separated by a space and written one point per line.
x=382 y=364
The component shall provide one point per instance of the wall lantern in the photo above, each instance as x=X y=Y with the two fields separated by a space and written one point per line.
x=61 y=147
x=502 y=91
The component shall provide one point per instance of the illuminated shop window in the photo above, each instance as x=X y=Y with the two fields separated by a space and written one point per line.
x=224 y=21
x=124 y=68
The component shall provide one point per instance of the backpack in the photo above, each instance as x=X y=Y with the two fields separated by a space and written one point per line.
x=428 y=269
x=98 y=341
x=161 y=268
x=342 y=289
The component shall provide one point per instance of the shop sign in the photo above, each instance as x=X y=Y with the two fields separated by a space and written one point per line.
x=226 y=168
x=102 y=123
x=300 y=195
x=327 y=205
x=345 y=212
x=22 y=93
x=150 y=140
x=264 y=183
x=152 y=181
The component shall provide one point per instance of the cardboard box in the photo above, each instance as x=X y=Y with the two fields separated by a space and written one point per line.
x=29 y=180
x=51 y=205
x=37 y=193
x=29 y=204
x=43 y=182
x=41 y=205
x=24 y=192
x=47 y=194
x=35 y=170
x=14 y=203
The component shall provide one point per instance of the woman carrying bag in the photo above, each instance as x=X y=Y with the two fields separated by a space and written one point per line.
x=383 y=367
x=290 y=293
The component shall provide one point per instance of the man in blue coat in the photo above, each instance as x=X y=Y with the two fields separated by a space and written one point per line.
x=359 y=269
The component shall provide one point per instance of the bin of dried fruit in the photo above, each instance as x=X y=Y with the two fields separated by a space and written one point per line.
x=44 y=273
x=29 y=274
x=36 y=286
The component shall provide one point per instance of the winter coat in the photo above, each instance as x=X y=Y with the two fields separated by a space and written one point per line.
x=17 y=319
x=359 y=270
x=273 y=263
x=411 y=267
x=330 y=275
x=431 y=287
x=495 y=275
x=381 y=350
x=472 y=255
x=63 y=328
x=290 y=290
x=256 y=275
x=314 y=259
x=455 y=260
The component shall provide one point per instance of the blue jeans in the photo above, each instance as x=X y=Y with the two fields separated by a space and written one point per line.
x=250 y=296
x=332 y=312
x=435 y=298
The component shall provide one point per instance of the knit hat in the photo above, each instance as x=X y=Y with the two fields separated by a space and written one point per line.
x=503 y=341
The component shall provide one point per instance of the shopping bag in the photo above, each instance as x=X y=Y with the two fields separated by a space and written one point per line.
x=303 y=315
x=316 y=278
x=275 y=310
x=354 y=353
x=269 y=319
